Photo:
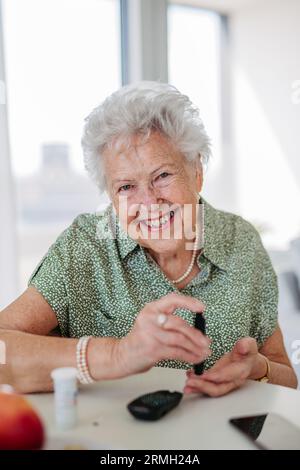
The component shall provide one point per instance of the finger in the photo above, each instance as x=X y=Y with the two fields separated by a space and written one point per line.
x=196 y=379
x=218 y=366
x=170 y=302
x=179 y=324
x=181 y=354
x=188 y=390
x=209 y=388
x=232 y=372
x=177 y=339
x=244 y=347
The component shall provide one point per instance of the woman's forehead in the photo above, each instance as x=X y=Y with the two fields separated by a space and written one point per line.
x=142 y=156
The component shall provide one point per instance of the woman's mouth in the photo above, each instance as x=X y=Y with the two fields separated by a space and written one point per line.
x=159 y=224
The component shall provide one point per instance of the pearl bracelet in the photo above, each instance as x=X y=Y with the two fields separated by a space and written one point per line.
x=83 y=372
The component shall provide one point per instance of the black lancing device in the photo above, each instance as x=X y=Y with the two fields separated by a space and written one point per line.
x=200 y=325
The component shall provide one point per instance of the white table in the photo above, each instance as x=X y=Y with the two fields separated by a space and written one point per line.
x=197 y=423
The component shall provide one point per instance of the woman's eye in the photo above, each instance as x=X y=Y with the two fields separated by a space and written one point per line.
x=125 y=187
x=163 y=175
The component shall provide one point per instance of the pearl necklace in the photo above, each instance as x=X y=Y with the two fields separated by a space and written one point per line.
x=191 y=265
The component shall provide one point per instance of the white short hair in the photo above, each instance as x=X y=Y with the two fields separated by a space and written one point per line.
x=140 y=109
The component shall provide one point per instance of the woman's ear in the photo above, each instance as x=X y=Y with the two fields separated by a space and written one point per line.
x=199 y=177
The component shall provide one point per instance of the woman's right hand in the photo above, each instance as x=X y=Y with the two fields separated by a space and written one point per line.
x=149 y=342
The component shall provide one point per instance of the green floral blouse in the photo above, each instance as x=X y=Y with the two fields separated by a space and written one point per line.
x=97 y=279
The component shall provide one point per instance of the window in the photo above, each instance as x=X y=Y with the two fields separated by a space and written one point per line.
x=194 y=56
x=62 y=59
x=252 y=170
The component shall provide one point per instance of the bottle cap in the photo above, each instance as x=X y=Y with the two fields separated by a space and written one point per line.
x=62 y=374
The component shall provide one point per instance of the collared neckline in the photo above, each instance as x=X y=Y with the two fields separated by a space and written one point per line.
x=215 y=236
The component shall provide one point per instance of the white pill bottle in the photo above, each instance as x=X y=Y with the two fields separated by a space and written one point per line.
x=65 y=398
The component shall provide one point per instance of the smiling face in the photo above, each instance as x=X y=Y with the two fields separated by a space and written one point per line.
x=154 y=191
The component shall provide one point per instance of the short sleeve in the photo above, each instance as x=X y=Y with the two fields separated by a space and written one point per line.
x=49 y=278
x=264 y=293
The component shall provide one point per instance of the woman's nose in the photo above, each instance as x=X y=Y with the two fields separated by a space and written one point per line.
x=148 y=196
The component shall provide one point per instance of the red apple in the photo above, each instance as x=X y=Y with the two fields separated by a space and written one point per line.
x=20 y=426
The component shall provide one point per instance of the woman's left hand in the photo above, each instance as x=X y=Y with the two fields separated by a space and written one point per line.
x=228 y=373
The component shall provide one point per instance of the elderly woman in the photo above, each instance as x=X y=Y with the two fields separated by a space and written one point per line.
x=124 y=286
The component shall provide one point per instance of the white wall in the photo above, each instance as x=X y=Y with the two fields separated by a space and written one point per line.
x=265 y=38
